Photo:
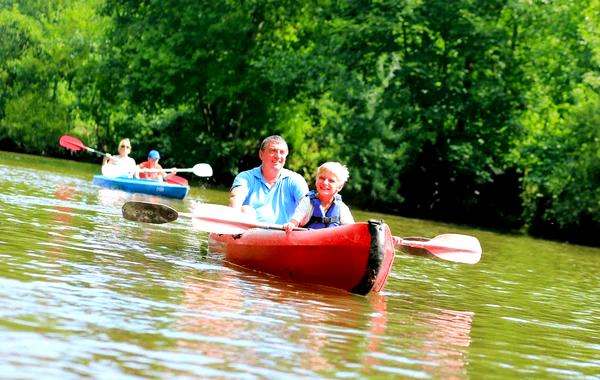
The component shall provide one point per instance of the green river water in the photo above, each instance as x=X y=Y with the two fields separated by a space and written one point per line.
x=88 y=295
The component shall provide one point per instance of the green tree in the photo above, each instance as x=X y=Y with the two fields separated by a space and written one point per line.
x=47 y=52
x=560 y=153
x=417 y=97
x=184 y=68
x=472 y=111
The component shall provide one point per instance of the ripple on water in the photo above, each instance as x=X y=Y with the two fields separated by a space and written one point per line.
x=90 y=295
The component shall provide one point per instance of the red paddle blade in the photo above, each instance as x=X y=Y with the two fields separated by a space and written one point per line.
x=71 y=142
x=177 y=180
x=452 y=247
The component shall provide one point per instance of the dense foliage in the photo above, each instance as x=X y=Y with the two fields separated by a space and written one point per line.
x=483 y=112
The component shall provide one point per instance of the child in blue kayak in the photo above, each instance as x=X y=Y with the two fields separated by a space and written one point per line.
x=151 y=169
x=323 y=207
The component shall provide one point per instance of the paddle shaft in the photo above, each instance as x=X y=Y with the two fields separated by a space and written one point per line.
x=266 y=226
x=229 y=221
x=208 y=217
x=186 y=170
x=201 y=170
x=98 y=152
x=161 y=170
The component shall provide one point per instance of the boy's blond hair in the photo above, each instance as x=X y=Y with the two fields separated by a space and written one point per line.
x=340 y=171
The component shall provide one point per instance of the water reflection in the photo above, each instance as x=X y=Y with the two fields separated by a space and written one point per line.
x=256 y=321
x=112 y=198
x=64 y=212
x=244 y=318
x=62 y=218
x=447 y=341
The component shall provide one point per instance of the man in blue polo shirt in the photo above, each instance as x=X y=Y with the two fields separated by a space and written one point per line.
x=270 y=192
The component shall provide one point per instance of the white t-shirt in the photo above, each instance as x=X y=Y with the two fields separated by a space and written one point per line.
x=119 y=167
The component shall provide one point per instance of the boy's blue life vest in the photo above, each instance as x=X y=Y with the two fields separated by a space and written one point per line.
x=331 y=217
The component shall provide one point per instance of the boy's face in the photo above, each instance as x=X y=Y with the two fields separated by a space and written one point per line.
x=327 y=183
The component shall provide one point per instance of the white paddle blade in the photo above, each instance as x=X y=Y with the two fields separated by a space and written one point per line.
x=467 y=249
x=451 y=247
x=202 y=170
x=458 y=241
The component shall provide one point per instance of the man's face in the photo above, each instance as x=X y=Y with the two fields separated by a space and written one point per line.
x=274 y=155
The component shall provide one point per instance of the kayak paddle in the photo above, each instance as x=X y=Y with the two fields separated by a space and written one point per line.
x=452 y=247
x=75 y=144
x=207 y=217
x=229 y=221
x=201 y=170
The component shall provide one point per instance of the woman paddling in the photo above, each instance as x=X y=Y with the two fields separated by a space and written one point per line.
x=120 y=165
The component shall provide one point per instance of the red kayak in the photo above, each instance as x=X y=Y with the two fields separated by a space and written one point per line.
x=355 y=257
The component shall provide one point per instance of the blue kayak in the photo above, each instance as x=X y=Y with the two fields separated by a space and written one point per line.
x=146 y=186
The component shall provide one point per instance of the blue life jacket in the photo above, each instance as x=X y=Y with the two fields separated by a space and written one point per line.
x=331 y=217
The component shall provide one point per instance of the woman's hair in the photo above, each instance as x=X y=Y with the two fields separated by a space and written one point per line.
x=125 y=140
x=340 y=171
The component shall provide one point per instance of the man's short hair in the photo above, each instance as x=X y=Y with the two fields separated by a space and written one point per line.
x=269 y=139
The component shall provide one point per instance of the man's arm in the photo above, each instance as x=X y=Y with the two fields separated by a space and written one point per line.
x=237 y=196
